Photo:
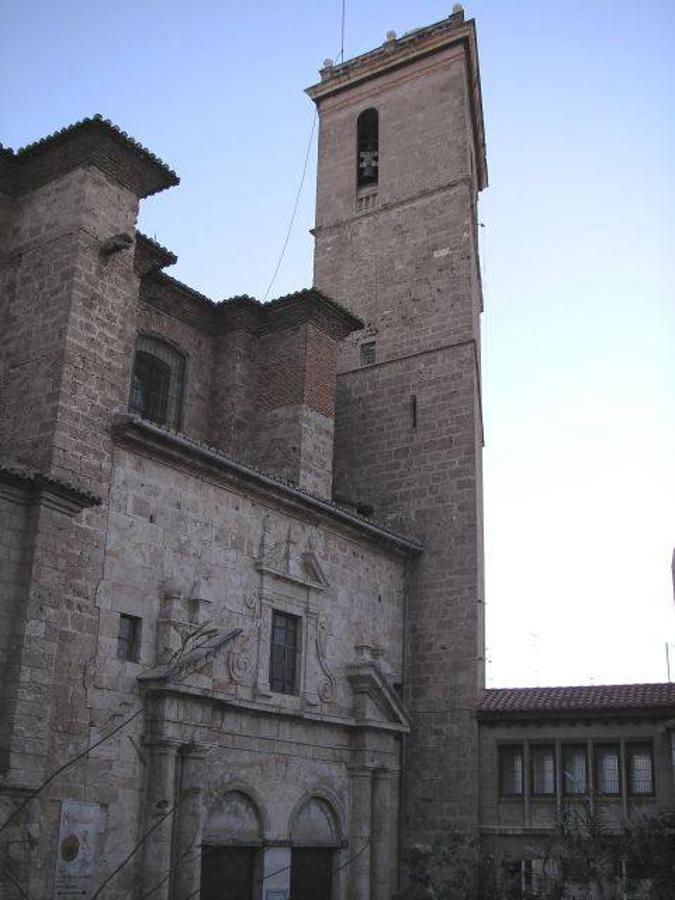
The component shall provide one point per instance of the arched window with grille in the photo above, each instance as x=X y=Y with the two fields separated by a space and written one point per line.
x=157 y=382
x=367 y=148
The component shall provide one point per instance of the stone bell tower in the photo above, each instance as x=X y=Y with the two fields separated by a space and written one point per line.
x=401 y=162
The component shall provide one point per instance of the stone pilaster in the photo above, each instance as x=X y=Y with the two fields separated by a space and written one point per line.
x=158 y=817
x=381 y=839
x=189 y=819
x=361 y=825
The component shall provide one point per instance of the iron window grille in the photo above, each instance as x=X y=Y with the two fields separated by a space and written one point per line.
x=574 y=770
x=640 y=769
x=542 y=761
x=607 y=770
x=129 y=638
x=157 y=382
x=284 y=653
x=511 y=770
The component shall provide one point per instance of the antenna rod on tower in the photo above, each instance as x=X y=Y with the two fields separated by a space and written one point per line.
x=342 y=34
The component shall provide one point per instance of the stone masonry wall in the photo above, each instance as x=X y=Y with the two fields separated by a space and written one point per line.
x=165 y=526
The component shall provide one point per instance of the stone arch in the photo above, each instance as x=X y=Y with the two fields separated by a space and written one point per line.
x=235 y=817
x=315 y=822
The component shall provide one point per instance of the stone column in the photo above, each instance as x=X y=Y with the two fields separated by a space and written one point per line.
x=360 y=843
x=189 y=819
x=160 y=793
x=381 y=839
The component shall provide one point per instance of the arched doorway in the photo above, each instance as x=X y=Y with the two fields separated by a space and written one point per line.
x=231 y=842
x=315 y=838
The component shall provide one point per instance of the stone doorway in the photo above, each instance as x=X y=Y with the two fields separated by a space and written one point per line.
x=312 y=873
x=227 y=873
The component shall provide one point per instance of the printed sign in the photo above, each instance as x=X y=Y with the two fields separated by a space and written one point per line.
x=79 y=837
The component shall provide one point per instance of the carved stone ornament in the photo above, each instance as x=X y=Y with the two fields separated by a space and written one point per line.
x=327 y=687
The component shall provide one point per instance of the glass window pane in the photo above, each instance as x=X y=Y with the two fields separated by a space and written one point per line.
x=640 y=775
x=608 y=780
x=283 y=653
x=511 y=770
x=543 y=771
x=574 y=770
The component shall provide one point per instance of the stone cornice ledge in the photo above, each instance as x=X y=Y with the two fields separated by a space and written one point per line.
x=179 y=449
x=155 y=687
x=21 y=484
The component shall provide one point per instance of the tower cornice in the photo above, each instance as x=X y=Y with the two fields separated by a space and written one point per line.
x=410 y=48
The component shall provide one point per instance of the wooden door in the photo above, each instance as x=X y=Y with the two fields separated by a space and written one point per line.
x=311 y=873
x=227 y=873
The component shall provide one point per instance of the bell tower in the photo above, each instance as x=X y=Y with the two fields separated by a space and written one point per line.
x=401 y=162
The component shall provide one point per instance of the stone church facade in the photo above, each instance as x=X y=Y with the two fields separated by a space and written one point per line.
x=227 y=526
x=242 y=568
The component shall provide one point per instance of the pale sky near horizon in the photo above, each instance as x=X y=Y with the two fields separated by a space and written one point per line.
x=577 y=257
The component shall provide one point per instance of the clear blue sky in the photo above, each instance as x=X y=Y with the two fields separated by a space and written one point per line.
x=579 y=329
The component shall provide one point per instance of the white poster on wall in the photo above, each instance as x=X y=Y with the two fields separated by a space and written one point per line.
x=79 y=841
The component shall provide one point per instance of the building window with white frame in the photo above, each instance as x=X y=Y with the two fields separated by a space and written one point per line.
x=542 y=760
x=574 y=770
x=511 y=770
x=607 y=770
x=640 y=769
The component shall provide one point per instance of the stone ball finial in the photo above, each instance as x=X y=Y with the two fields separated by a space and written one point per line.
x=457 y=8
x=328 y=63
x=391 y=35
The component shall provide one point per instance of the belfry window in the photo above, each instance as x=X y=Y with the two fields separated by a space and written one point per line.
x=367 y=148
x=157 y=382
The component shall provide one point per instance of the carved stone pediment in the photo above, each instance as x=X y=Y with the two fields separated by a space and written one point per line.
x=375 y=700
x=285 y=561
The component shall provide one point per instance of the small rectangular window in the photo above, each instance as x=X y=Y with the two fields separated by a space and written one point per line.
x=284 y=653
x=368 y=353
x=607 y=771
x=511 y=770
x=574 y=775
x=543 y=770
x=129 y=638
x=640 y=766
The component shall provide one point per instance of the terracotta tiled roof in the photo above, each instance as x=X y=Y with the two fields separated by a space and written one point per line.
x=24 y=475
x=94 y=141
x=585 y=698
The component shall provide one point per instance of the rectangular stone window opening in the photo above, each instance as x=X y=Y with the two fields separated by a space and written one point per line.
x=129 y=638
x=511 y=770
x=640 y=769
x=574 y=770
x=284 y=653
x=157 y=382
x=368 y=353
x=543 y=770
x=607 y=770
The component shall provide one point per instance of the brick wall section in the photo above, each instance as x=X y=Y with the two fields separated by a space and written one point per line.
x=409 y=270
x=34 y=308
x=198 y=349
x=293 y=436
x=234 y=392
x=320 y=362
